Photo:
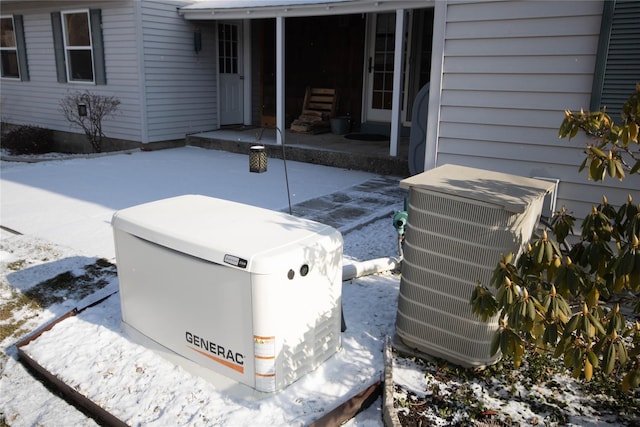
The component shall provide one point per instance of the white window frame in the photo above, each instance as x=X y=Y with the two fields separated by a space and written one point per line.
x=67 y=49
x=12 y=49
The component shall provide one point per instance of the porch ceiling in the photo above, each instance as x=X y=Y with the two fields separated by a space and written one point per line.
x=254 y=9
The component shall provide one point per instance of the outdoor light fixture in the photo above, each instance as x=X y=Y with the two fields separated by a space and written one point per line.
x=197 y=41
x=82 y=110
x=257 y=159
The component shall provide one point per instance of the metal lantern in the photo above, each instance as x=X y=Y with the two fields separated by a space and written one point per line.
x=257 y=159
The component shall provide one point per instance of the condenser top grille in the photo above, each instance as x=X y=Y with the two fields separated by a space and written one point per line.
x=511 y=192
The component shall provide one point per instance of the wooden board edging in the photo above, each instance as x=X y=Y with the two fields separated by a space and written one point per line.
x=69 y=394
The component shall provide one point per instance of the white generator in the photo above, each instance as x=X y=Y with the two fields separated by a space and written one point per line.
x=460 y=221
x=250 y=293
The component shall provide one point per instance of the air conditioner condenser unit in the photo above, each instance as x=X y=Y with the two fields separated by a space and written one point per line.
x=252 y=294
x=460 y=221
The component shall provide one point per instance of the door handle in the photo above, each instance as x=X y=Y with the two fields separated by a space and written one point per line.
x=370 y=64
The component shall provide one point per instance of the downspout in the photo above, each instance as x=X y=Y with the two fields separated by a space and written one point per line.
x=435 y=85
x=142 y=93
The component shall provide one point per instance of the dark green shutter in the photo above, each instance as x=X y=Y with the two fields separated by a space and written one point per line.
x=21 y=46
x=618 y=63
x=100 y=75
x=58 y=47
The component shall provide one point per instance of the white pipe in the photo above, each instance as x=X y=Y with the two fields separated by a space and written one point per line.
x=373 y=266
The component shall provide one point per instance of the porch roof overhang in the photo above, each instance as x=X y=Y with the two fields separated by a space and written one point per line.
x=255 y=9
x=201 y=10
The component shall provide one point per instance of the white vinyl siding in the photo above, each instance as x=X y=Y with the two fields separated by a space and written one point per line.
x=37 y=101
x=509 y=70
x=180 y=84
x=166 y=90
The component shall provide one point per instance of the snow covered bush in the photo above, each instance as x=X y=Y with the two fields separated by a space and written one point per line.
x=566 y=298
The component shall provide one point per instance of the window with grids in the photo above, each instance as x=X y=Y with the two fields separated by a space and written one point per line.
x=77 y=46
x=8 y=48
x=228 y=39
x=383 y=61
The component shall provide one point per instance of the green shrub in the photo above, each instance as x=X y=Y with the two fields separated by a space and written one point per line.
x=566 y=299
x=28 y=140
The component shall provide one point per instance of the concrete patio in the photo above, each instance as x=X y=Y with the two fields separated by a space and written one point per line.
x=323 y=149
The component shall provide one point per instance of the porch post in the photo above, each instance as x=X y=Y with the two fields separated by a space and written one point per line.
x=246 y=71
x=280 y=79
x=398 y=66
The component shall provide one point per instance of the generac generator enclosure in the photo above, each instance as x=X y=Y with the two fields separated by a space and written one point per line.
x=252 y=294
x=460 y=221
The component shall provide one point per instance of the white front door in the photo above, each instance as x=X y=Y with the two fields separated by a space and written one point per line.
x=230 y=71
x=379 y=73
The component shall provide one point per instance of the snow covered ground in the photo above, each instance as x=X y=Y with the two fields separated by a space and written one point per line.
x=63 y=209
x=70 y=202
